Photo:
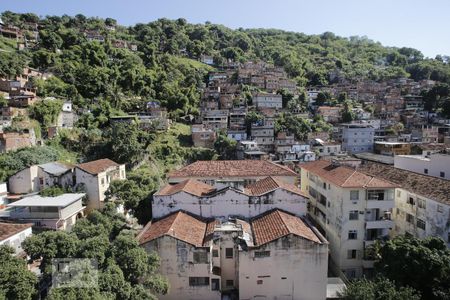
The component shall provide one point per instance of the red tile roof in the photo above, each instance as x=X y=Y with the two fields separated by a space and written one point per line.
x=179 y=225
x=97 y=166
x=345 y=176
x=190 y=186
x=233 y=168
x=276 y=224
x=9 y=229
x=270 y=184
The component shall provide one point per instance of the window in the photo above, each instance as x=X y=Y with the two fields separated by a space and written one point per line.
x=353 y=215
x=354 y=195
x=228 y=252
x=259 y=254
x=259 y=281
x=421 y=224
x=399 y=193
x=410 y=201
x=198 y=281
x=351 y=254
x=410 y=218
x=422 y=203
x=103 y=181
x=440 y=208
x=442 y=174
x=215 y=284
x=215 y=253
x=425 y=171
x=352 y=234
x=229 y=282
x=375 y=195
x=324 y=185
x=200 y=257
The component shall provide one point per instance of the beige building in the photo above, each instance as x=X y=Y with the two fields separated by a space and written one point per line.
x=58 y=213
x=207 y=201
x=236 y=173
x=352 y=208
x=422 y=203
x=273 y=256
x=96 y=176
x=202 y=136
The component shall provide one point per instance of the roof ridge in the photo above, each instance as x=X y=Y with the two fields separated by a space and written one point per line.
x=284 y=223
x=345 y=181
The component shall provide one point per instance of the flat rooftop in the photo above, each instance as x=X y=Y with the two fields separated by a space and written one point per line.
x=39 y=201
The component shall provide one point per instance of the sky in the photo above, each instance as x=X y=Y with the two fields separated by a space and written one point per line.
x=420 y=24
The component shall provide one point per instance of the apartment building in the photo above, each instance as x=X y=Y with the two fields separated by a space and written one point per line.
x=58 y=213
x=357 y=138
x=422 y=203
x=392 y=148
x=236 y=173
x=212 y=259
x=267 y=100
x=202 y=136
x=351 y=208
x=436 y=164
x=95 y=177
x=263 y=134
x=208 y=201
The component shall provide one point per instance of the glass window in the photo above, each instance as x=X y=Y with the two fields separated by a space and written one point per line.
x=440 y=208
x=410 y=201
x=410 y=218
x=215 y=253
x=442 y=174
x=421 y=224
x=259 y=254
x=353 y=215
x=230 y=282
x=422 y=203
x=200 y=257
x=351 y=254
x=228 y=252
x=425 y=171
x=352 y=234
x=198 y=281
x=399 y=193
x=215 y=284
x=354 y=195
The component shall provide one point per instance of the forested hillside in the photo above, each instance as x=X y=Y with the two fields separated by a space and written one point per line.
x=165 y=66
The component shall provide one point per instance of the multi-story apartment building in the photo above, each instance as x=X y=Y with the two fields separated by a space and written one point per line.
x=267 y=100
x=207 y=201
x=436 y=164
x=276 y=255
x=263 y=134
x=215 y=119
x=422 y=203
x=203 y=137
x=351 y=208
x=236 y=173
x=357 y=138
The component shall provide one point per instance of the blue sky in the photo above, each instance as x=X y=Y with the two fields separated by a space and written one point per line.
x=421 y=24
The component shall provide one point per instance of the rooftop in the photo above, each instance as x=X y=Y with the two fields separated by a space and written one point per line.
x=190 y=186
x=269 y=184
x=345 y=176
x=232 y=168
x=39 y=201
x=427 y=186
x=9 y=229
x=55 y=168
x=97 y=166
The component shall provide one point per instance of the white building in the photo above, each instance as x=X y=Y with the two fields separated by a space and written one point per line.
x=436 y=165
x=38 y=177
x=353 y=209
x=273 y=256
x=207 y=201
x=13 y=234
x=59 y=213
x=236 y=173
x=266 y=100
x=357 y=138
x=95 y=177
x=422 y=203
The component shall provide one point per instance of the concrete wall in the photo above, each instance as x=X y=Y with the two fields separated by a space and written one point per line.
x=296 y=269
x=435 y=164
x=356 y=140
x=229 y=202
x=237 y=182
x=25 y=181
x=177 y=264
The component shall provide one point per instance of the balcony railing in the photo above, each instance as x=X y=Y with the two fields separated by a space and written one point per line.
x=381 y=224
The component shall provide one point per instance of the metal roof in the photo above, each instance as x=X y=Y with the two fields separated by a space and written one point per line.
x=58 y=201
x=54 y=168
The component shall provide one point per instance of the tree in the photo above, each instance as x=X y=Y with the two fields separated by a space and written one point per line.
x=16 y=281
x=347 y=114
x=322 y=97
x=421 y=264
x=126 y=192
x=46 y=111
x=378 y=289
x=225 y=146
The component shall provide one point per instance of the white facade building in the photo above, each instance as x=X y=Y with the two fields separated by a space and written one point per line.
x=357 y=138
x=207 y=201
x=436 y=165
x=352 y=209
x=13 y=234
x=95 y=177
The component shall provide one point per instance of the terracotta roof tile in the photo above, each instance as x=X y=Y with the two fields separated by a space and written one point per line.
x=270 y=184
x=233 y=168
x=345 y=176
x=427 y=186
x=9 y=229
x=276 y=224
x=190 y=186
x=97 y=166
x=179 y=225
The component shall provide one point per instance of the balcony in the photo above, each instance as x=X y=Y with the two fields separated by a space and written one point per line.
x=380 y=204
x=380 y=224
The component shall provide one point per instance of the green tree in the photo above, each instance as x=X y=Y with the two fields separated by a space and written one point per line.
x=16 y=281
x=421 y=264
x=46 y=111
x=225 y=147
x=378 y=289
